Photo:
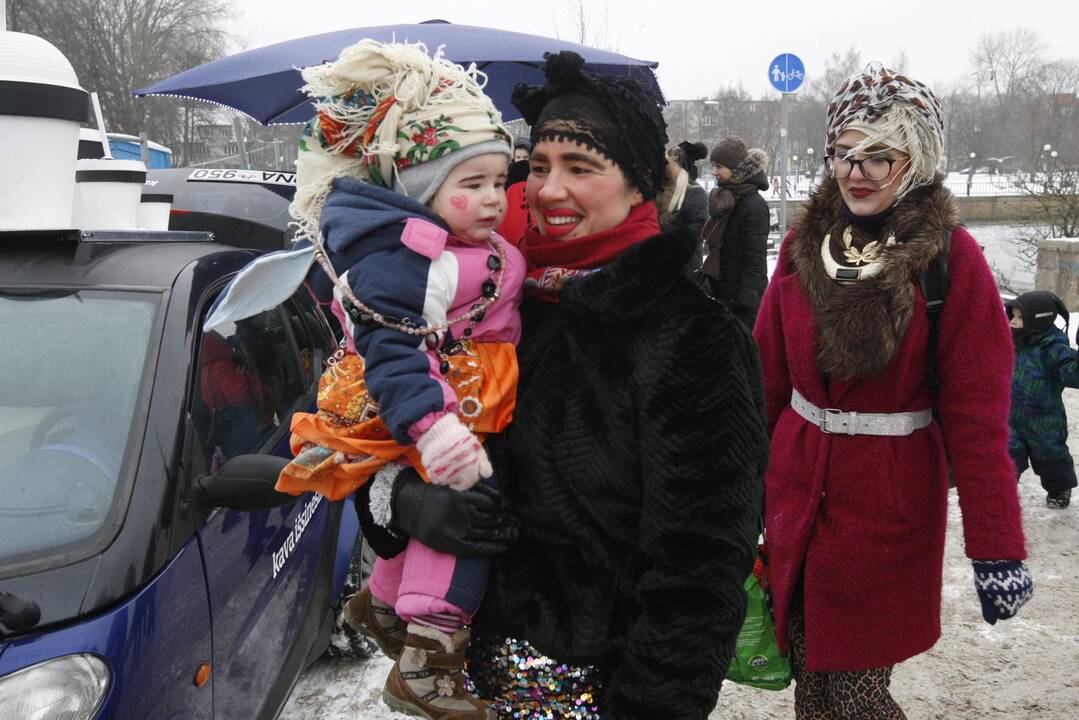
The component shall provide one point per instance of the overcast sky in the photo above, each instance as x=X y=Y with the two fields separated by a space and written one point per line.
x=703 y=46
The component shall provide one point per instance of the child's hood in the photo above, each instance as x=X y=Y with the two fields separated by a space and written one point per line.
x=356 y=211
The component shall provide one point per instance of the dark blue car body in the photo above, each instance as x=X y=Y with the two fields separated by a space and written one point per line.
x=168 y=583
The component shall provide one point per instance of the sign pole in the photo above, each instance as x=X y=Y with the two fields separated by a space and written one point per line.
x=783 y=150
x=786 y=73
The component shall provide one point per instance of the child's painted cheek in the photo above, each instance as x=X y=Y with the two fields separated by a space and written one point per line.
x=459 y=201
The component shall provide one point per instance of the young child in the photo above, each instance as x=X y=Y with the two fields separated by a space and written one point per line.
x=1044 y=365
x=400 y=186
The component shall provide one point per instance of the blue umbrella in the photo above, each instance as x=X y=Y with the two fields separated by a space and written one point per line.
x=265 y=83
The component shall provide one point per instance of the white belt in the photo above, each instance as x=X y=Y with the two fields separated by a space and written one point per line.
x=832 y=421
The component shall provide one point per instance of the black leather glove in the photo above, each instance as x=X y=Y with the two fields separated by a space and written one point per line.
x=472 y=523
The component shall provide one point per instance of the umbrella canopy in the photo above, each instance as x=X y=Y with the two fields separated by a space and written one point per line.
x=265 y=83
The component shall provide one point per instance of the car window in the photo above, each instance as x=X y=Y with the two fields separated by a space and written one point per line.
x=249 y=379
x=73 y=363
x=313 y=335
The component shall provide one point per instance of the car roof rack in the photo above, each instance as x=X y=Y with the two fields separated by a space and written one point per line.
x=108 y=236
x=141 y=236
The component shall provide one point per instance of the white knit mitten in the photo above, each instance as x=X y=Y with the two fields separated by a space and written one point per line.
x=452 y=455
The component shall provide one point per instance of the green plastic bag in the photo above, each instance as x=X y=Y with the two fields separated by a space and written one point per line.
x=757 y=660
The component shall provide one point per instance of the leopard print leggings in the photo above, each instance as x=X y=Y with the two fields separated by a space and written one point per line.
x=853 y=695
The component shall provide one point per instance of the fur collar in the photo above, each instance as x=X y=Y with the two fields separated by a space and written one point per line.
x=626 y=287
x=860 y=326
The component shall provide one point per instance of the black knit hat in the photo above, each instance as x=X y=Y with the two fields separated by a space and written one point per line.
x=610 y=114
x=692 y=153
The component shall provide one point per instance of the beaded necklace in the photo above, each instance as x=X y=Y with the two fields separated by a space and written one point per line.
x=360 y=312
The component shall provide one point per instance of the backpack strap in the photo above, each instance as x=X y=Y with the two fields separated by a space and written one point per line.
x=934 y=285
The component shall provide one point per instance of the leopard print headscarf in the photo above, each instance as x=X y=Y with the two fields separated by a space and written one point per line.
x=893 y=110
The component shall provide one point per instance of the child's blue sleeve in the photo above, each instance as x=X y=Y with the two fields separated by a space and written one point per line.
x=1062 y=360
x=399 y=369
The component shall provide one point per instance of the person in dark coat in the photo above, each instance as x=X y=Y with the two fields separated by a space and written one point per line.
x=1045 y=364
x=736 y=234
x=863 y=442
x=694 y=210
x=634 y=462
x=521 y=147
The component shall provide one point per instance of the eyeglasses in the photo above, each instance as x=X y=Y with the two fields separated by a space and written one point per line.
x=872 y=168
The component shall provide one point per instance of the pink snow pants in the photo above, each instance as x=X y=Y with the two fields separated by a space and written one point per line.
x=421 y=581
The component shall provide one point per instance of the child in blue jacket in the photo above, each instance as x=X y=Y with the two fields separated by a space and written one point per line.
x=1044 y=365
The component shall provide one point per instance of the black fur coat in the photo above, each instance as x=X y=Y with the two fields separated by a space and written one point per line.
x=635 y=464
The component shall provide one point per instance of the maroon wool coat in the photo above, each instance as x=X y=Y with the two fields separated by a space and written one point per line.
x=861 y=518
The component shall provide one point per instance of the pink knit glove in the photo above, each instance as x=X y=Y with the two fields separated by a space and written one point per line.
x=452 y=455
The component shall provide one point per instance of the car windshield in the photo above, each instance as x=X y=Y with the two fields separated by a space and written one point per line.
x=73 y=363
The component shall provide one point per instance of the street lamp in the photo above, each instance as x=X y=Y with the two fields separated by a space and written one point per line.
x=970 y=172
x=811 y=170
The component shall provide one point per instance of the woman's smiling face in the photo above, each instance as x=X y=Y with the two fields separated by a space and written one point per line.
x=574 y=191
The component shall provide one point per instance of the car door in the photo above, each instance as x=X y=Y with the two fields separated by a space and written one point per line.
x=267 y=583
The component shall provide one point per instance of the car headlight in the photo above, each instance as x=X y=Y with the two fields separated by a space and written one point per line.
x=67 y=688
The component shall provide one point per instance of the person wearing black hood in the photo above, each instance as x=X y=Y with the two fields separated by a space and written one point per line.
x=1045 y=364
x=736 y=234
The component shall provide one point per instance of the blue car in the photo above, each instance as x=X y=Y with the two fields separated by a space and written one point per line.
x=147 y=567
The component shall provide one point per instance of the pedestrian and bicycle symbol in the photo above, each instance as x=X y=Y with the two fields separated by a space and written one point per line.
x=786 y=73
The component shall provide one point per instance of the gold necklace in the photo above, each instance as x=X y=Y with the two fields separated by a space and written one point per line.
x=867 y=262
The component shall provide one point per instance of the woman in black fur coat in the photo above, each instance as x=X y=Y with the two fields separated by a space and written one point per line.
x=633 y=467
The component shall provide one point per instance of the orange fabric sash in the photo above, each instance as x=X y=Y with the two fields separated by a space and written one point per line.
x=337 y=449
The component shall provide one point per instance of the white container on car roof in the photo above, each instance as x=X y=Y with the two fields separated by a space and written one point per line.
x=90 y=144
x=154 y=211
x=108 y=193
x=41 y=110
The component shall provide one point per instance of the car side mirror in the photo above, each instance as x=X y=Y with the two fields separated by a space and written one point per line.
x=246 y=482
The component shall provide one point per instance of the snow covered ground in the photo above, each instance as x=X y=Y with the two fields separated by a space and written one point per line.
x=1026 y=668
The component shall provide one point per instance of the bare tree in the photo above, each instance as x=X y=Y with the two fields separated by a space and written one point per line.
x=582 y=23
x=837 y=68
x=1008 y=63
x=1054 y=191
x=117 y=46
x=900 y=62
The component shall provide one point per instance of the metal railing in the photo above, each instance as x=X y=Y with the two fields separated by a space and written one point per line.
x=271 y=156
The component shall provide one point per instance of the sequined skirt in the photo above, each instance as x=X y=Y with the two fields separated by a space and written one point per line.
x=522 y=684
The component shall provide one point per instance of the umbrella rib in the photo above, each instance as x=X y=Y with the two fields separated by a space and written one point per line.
x=289 y=108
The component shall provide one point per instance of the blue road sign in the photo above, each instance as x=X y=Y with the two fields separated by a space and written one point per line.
x=786 y=73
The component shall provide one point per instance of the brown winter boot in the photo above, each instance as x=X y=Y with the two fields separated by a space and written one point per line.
x=428 y=678
x=376 y=621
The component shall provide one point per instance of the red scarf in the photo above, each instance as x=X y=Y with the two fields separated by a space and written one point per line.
x=553 y=262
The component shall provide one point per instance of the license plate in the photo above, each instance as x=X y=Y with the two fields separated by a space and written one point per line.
x=253 y=177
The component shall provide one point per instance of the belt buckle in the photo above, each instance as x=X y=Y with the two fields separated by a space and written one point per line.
x=825 y=413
